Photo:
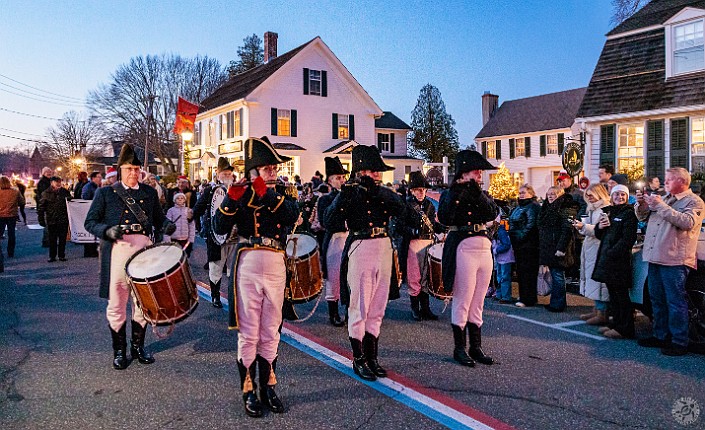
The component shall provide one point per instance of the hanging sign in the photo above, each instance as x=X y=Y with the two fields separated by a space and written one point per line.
x=572 y=158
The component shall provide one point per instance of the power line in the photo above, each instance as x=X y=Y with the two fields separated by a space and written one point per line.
x=26 y=140
x=28 y=114
x=40 y=100
x=21 y=132
x=39 y=89
x=58 y=99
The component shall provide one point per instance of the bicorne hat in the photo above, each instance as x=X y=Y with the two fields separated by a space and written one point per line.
x=224 y=164
x=468 y=160
x=128 y=156
x=260 y=152
x=368 y=158
x=334 y=167
x=417 y=180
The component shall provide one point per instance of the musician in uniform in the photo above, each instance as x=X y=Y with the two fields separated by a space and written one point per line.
x=334 y=240
x=256 y=293
x=418 y=234
x=124 y=216
x=217 y=254
x=467 y=255
x=367 y=267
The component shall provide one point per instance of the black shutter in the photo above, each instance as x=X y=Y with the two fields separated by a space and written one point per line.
x=498 y=149
x=607 y=143
x=679 y=143
x=242 y=120
x=351 y=126
x=305 y=81
x=654 y=149
x=293 y=123
x=379 y=141
x=527 y=146
x=324 y=83
x=561 y=143
x=274 y=121
x=335 y=126
x=542 y=145
x=484 y=149
x=511 y=148
x=391 y=142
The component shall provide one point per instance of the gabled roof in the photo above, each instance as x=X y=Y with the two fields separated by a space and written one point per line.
x=239 y=86
x=391 y=121
x=656 y=12
x=546 y=112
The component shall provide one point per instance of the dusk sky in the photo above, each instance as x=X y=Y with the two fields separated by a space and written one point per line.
x=393 y=48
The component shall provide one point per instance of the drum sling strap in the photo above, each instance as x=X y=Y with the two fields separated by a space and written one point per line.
x=131 y=205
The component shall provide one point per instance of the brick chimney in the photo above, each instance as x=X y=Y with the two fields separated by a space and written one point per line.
x=490 y=104
x=270 y=46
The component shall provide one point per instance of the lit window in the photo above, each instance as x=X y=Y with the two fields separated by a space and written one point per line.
x=552 y=144
x=236 y=122
x=283 y=122
x=490 y=149
x=314 y=82
x=688 y=47
x=343 y=126
x=697 y=148
x=630 y=147
x=290 y=168
x=519 y=147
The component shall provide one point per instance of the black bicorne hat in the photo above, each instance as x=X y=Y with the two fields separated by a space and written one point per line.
x=224 y=164
x=368 y=158
x=128 y=156
x=468 y=160
x=260 y=152
x=417 y=180
x=334 y=167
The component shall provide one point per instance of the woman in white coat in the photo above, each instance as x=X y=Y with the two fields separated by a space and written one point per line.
x=596 y=197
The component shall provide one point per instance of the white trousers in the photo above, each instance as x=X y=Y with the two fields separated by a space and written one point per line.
x=418 y=249
x=473 y=273
x=119 y=292
x=333 y=258
x=215 y=268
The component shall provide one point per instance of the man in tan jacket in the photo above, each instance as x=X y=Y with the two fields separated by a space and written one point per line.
x=669 y=247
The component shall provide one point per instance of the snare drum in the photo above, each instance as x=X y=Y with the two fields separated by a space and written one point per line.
x=304 y=267
x=162 y=283
x=435 y=273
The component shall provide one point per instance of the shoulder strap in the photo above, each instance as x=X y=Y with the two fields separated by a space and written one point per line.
x=131 y=204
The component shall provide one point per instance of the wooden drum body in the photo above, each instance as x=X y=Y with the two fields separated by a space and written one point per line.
x=304 y=267
x=435 y=273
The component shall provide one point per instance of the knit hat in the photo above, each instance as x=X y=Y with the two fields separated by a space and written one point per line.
x=111 y=172
x=620 y=179
x=622 y=188
x=179 y=195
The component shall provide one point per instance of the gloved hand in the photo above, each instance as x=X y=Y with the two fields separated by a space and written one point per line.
x=560 y=254
x=260 y=186
x=369 y=184
x=114 y=233
x=236 y=191
x=170 y=228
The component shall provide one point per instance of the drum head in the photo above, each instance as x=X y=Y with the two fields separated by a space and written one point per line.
x=154 y=260
x=219 y=193
x=305 y=245
x=436 y=251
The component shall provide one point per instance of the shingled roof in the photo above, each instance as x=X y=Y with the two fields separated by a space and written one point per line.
x=656 y=12
x=391 y=121
x=546 y=112
x=239 y=86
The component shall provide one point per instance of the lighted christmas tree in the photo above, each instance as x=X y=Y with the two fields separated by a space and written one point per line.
x=502 y=185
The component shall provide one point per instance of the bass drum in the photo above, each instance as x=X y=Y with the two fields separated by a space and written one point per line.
x=435 y=273
x=219 y=193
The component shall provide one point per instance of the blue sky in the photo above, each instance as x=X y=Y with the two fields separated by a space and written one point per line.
x=512 y=48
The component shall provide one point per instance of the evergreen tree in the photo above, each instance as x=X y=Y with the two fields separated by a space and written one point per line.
x=434 y=134
x=251 y=55
x=502 y=185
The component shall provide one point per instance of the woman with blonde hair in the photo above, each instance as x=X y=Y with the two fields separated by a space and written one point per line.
x=597 y=198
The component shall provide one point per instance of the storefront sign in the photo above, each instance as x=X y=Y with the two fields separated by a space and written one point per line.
x=572 y=158
x=229 y=148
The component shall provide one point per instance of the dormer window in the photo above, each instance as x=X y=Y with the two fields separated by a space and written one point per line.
x=688 y=47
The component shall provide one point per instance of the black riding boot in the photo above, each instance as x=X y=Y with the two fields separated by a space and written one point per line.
x=253 y=407
x=267 y=380
x=426 y=312
x=333 y=315
x=215 y=294
x=370 y=345
x=459 y=353
x=137 y=345
x=360 y=361
x=415 y=312
x=288 y=311
x=475 y=351
x=120 y=361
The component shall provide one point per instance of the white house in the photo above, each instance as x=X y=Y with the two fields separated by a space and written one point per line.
x=645 y=105
x=308 y=105
x=528 y=135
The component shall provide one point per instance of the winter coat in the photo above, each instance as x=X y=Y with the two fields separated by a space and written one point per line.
x=78 y=189
x=556 y=232
x=523 y=227
x=52 y=207
x=88 y=191
x=502 y=247
x=182 y=217
x=614 y=258
x=42 y=185
x=10 y=202
x=588 y=287
x=203 y=209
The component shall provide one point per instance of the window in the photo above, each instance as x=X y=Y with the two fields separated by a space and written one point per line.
x=552 y=144
x=519 y=149
x=518 y=178
x=197 y=139
x=290 y=168
x=236 y=123
x=344 y=127
x=283 y=122
x=407 y=170
x=630 y=147
x=490 y=149
x=224 y=130
x=314 y=82
x=697 y=148
x=688 y=47
x=382 y=141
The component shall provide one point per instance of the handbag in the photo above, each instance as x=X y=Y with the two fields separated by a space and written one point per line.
x=544 y=281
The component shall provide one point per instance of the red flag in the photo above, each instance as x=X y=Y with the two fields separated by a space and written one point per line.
x=185 y=116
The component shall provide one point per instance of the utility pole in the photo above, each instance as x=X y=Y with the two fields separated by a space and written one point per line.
x=150 y=107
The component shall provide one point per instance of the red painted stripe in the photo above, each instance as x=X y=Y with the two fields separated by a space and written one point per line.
x=207 y=287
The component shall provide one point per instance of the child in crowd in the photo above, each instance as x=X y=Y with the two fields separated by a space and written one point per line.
x=182 y=216
x=503 y=259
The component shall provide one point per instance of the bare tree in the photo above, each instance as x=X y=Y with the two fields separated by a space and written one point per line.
x=74 y=136
x=623 y=9
x=123 y=105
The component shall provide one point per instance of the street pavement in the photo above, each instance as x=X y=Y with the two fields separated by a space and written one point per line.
x=553 y=371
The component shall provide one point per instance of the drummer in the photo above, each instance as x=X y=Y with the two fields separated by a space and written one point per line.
x=467 y=255
x=334 y=239
x=368 y=258
x=217 y=254
x=114 y=217
x=418 y=234
x=256 y=293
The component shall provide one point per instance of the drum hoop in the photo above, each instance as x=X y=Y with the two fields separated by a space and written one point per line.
x=162 y=275
x=306 y=256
